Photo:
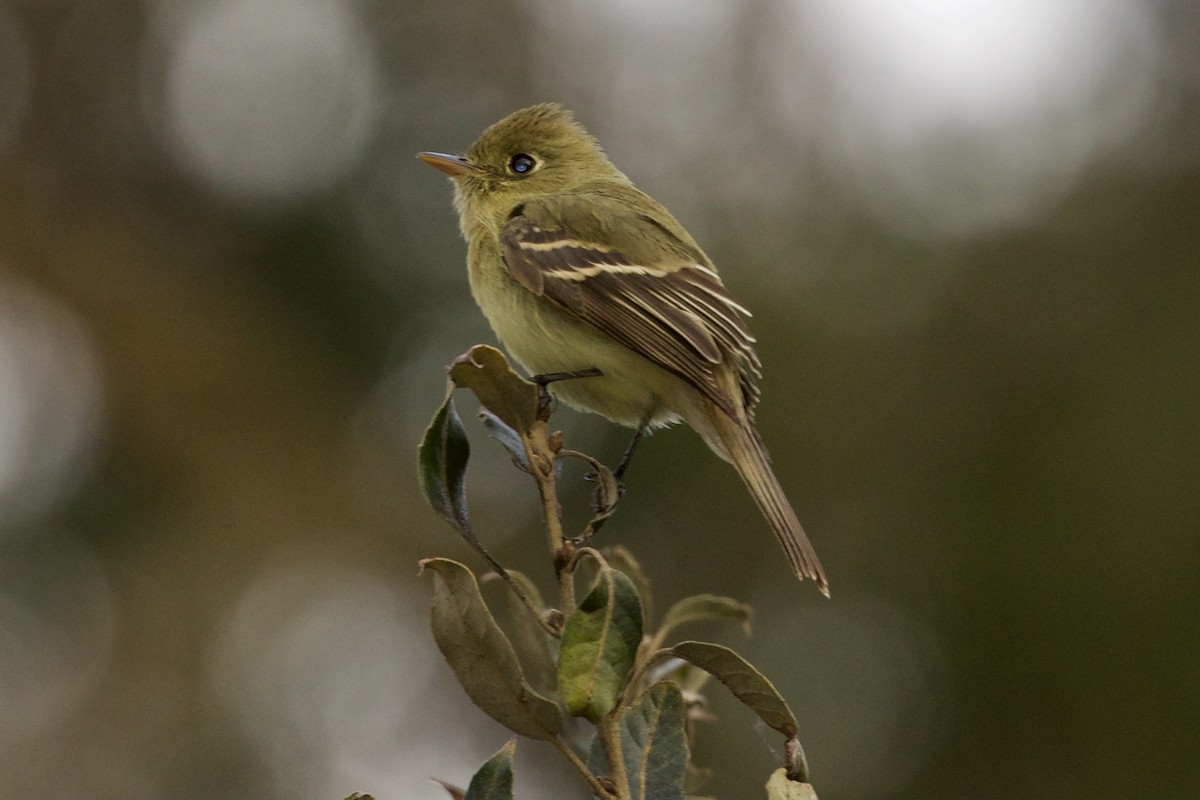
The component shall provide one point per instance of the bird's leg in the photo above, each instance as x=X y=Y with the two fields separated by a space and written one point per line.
x=547 y=378
x=628 y=456
x=625 y=458
x=544 y=380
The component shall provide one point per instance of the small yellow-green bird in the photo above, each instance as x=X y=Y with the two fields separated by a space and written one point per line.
x=577 y=269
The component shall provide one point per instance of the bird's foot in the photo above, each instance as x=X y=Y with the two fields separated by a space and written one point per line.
x=545 y=400
x=591 y=477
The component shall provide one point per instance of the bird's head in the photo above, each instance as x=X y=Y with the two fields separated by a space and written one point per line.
x=534 y=151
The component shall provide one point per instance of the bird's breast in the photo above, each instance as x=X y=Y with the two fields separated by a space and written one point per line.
x=545 y=338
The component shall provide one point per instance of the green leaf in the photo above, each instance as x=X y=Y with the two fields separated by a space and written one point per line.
x=704 y=607
x=494 y=780
x=486 y=372
x=599 y=642
x=442 y=463
x=747 y=683
x=481 y=655
x=654 y=744
x=780 y=788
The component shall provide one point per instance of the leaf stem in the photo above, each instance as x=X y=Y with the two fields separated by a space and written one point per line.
x=609 y=731
x=542 y=452
x=631 y=691
x=597 y=787
x=530 y=606
x=541 y=459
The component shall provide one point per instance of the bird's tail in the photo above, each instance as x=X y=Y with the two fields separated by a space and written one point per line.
x=745 y=450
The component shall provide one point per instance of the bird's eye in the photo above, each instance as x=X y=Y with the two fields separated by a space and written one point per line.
x=522 y=164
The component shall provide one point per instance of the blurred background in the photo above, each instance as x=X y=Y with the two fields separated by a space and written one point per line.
x=969 y=232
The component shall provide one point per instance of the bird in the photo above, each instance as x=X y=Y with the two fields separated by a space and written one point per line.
x=580 y=272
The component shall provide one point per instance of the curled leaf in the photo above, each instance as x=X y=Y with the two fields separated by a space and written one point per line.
x=747 y=683
x=486 y=372
x=481 y=655
x=442 y=461
x=599 y=642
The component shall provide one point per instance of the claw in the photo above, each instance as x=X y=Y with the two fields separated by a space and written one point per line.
x=545 y=399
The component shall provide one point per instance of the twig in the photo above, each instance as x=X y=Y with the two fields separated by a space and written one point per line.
x=609 y=731
x=607 y=493
x=542 y=454
x=598 y=788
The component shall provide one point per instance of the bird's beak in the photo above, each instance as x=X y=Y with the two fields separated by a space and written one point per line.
x=454 y=166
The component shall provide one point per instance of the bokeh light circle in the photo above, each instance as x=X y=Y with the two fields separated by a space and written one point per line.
x=270 y=99
x=959 y=117
x=51 y=403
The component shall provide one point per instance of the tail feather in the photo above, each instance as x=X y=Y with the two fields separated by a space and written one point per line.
x=745 y=449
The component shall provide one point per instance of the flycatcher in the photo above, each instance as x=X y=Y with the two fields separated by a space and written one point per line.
x=577 y=269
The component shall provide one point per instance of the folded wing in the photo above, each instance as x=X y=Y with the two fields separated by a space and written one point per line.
x=672 y=310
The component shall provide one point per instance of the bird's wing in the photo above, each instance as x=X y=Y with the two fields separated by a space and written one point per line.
x=634 y=280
